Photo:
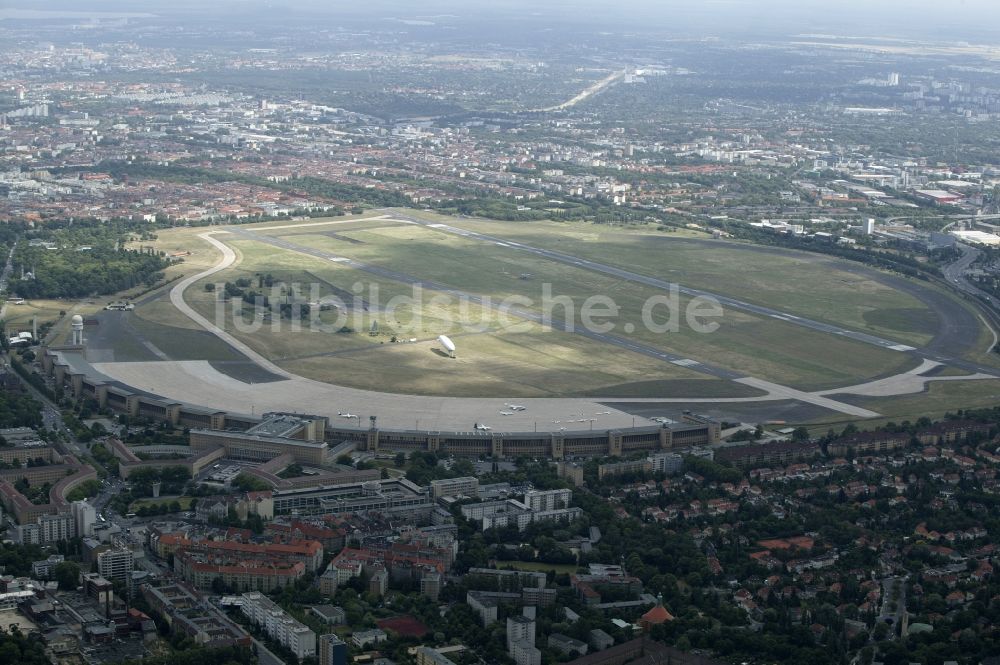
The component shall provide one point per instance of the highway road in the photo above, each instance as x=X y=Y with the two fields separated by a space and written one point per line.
x=8 y=267
x=52 y=420
x=954 y=276
x=955 y=272
x=590 y=91
x=887 y=613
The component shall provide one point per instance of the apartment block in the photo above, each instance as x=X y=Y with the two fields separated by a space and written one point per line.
x=279 y=625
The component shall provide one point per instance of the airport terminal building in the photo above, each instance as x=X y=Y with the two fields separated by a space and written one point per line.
x=309 y=439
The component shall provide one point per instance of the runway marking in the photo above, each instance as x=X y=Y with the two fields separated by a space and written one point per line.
x=381 y=218
x=622 y=273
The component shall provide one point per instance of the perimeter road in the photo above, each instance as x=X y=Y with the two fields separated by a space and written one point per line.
x=177 y=300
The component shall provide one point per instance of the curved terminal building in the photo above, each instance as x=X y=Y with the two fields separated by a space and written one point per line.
x=223 y=415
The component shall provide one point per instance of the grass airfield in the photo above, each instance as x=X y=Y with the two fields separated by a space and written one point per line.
x=516 y=358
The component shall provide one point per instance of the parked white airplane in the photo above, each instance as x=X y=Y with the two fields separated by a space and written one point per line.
x=506 y=413
x=484 y=428
x=347 y=415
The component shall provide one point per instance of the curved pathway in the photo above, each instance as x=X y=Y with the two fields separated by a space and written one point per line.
x=177 y=300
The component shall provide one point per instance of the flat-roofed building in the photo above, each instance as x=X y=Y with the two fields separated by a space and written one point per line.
x=362 y=639
x=567 y=645
x=47 y=529
x=329 y=614
x=622 y=468
x=429 y=656
x=464 y=486
x=185 y=614
x=116 y=564
x=493 y=514
x=667 y=463
x=505 y=580
x=249 y=447
x=42 y=570
x=332 y=650
x=542 y=500
x=397 y=497
x=279 y=625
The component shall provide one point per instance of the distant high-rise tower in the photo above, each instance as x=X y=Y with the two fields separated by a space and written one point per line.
x=893 y=79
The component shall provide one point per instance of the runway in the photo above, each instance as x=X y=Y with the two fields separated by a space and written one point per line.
x=811 y=324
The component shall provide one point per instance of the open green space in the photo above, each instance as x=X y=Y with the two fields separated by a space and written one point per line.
x=515 y=358
x=800 y=283
x=939 y=398
x=753 y=345
x=508 y=358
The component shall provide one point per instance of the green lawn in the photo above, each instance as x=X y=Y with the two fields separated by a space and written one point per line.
x=801 y=283
x=522 y=359
x=753 y=345
x=512 y=358
x=939 y=398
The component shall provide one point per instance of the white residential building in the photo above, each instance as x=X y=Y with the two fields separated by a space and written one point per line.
x=85 y=517
x=364 y=638
x=465 y=486
x=544 y=500
x=277 y=623
x=115 y=564
x=667 y=463
x=495 y=514
x=521 y=641
x=42 y=570
x=48 y=529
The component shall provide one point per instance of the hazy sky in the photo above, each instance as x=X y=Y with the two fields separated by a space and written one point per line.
x=973 y=20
